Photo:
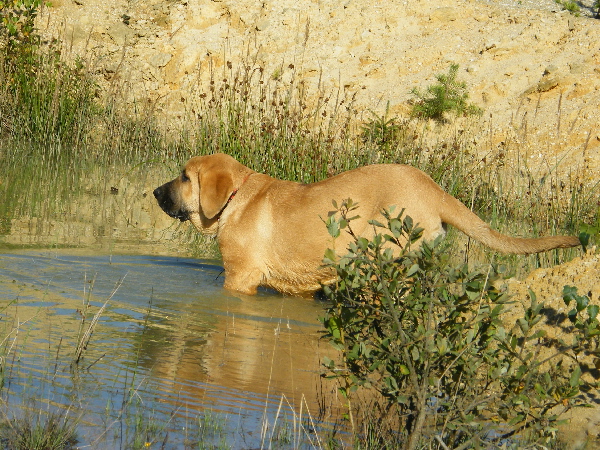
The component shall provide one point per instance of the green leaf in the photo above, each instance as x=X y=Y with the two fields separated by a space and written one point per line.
x=396 y=228
x=575 y=376
x=337 y=345
x=354 y=352
x=376 y=223
x=584 y=237
x=533 y=297
x=415 y=353
x=523 y=325
x=470 y=335
x=362 y=243
x=513 y=342
x=333 y=228
x=330 y=256
x=538 y=334
x=593 y=311
x=333 y=325
x=442 y=345
x=403 y=399
x=413 y=269
x=582 y=302
x=569 y=294
x=329 y=363
x=373 y=367
x=500 y=333
x=572 y=315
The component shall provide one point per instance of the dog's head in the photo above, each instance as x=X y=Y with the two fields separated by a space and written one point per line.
x=202 y=190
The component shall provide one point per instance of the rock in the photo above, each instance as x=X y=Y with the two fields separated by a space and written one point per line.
x=262 y=24
x=160 y=59
x=445 y=14
x=120 y=33
x=551 y=78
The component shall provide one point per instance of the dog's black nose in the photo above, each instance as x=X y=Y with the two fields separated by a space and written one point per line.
x=158 y=192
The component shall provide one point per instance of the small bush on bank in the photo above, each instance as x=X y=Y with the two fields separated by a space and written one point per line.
x=448 y=96
x=431 y=340
x=569 y=5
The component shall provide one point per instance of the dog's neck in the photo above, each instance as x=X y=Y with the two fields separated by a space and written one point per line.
x=236 y=190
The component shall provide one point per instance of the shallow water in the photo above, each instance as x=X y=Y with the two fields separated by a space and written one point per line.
x=171 y=350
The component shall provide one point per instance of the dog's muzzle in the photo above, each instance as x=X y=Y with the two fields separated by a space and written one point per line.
x=162 y=195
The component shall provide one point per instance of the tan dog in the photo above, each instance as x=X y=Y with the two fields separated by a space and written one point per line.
x=271 y=232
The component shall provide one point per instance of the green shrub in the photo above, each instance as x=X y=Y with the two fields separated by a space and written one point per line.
x=17 y=33
x=430 y=339
x=448 y=96
x=381 y=130
x=569 y=5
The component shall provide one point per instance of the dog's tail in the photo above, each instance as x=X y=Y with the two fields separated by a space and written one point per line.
x=453 y=212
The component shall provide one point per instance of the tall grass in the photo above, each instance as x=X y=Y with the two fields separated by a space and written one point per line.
x=39 y=431
x=60 y=138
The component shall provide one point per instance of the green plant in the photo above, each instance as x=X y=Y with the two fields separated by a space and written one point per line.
x=569 y=5
x=265 y=122
x=211 y=431
x=590 y=233
x=54 y=432
x=430 y=338
x=587 y=325
x=17 y=33
x=448 y=96
x=381 y=130
x=84 y=337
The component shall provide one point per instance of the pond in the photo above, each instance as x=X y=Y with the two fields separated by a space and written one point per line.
x=166 y=355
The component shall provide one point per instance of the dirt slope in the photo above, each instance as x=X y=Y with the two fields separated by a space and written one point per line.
x=533 y=71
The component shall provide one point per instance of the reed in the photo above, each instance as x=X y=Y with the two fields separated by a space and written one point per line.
x=84 y=335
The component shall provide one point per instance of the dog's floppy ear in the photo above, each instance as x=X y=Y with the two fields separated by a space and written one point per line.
x=216 y=186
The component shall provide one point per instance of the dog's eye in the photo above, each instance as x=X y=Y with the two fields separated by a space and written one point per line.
x=184 y=177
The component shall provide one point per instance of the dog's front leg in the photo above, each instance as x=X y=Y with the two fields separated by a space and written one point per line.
x=242 y=280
